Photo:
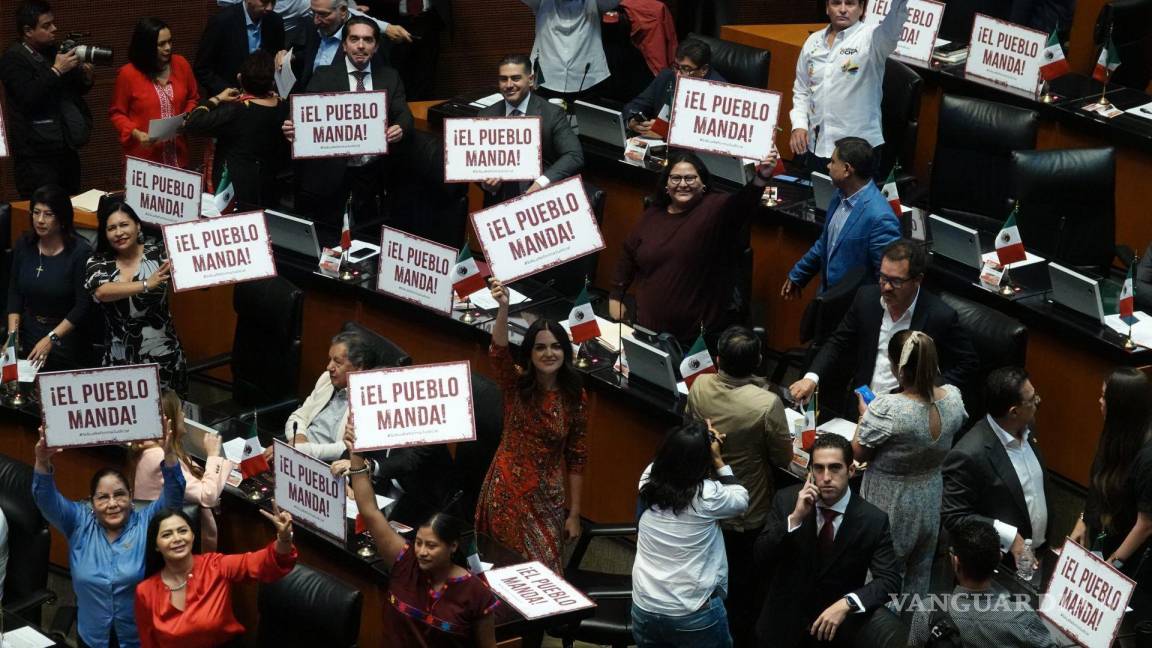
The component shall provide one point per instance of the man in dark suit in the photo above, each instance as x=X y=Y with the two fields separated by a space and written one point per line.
x=819 y=544
x=877 y=313
x=693 y=59
x=995 y=473
x=230 y=37
x=322 y=45
x=859 y=222
x=48 y=119
x=323 y=185
x=563 y=156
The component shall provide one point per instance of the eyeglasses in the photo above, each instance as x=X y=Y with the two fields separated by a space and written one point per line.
x=686 y=179
x=104 y=498
x=685 y=69
x=895 y=282
x=1034 y=401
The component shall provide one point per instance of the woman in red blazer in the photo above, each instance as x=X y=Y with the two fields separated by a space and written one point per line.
x=154 y=84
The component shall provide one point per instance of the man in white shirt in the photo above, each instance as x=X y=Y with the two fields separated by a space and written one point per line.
x=995 y=473
x=839 y=80
x=568 y=52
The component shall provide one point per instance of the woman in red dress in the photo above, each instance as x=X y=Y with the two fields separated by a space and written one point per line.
x=186 y=600
x=434 y=602
x=154 y=84
x=522 y=500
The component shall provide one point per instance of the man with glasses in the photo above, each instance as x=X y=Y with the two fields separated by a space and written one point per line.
x=230 y=36
x=323 y=45
x=896 y=303
x=859 y=223
x=654 y=105
x=995 y=473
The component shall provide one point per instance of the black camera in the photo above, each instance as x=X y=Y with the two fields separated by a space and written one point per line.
x=94 y=54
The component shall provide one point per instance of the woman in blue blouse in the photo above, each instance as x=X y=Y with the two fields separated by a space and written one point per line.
x=106 y=542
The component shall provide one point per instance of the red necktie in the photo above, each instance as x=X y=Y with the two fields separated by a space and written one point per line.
x=828 y=531
x=414 y=7
x=360 y=74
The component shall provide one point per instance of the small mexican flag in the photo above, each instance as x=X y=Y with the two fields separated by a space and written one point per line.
x=346 y=233
x=224 y=200
x=466 y=277
x=252 y=462
x=10 y=372
x=1108 y=62
x=892 y=193
x=1009 y=247
x=696 y=362
x=1126 y=302
x=808 y=436
x=582 y=321
x=1052 y=62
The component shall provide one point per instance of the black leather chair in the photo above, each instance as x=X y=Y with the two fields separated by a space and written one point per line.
x=820 y=319
x=309 y=608
x=1128 y=20
x=971 y=167
x=999 y=340
x=26 y=580
x=1067 y=200
x=388 y=354
x=419 y=202
x=265 y=357
x=612 y=623
x=472 y=459
x=900 y=119
x=568 y=278
x=740 y=64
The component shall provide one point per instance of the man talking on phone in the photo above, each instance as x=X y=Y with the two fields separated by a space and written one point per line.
x=819 y=544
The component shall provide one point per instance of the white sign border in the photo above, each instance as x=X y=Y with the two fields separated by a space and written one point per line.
x=343 y=540
x=586 y=603
x=995 y=83
x=903 y=58
x=1056 y=622
x=217 y=219
x=396 y=370
x=5 y=149
x=139 y=212
x=159 y=406
x=447 y=310
x=672 y=118
x=330 y=156
x=539 y=146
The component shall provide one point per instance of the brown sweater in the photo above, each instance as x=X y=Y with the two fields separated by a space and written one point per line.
x=684 y=264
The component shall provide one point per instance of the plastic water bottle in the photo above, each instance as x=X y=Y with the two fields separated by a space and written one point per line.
x=1026 y=563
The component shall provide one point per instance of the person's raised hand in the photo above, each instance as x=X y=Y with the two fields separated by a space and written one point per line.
x=212 y=445
x=288 y=128
x=394 y=134
x=499 y=292
x=491 y=185
x=340 y=467
x=43 y=453
x=398 y=34
x=805 y=500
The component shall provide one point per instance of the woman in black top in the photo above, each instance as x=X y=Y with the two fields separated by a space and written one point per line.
x=1117 y=518
x=46 y=296
x=246 y=125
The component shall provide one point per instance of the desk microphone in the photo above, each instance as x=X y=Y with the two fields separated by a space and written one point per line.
x=570 y=106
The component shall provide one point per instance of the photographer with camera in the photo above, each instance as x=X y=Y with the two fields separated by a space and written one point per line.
x=47 y=117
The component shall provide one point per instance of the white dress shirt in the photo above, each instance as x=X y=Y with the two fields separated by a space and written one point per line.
x=883 y=380
x=680 y=560
x=567 y=40
x=838 y=88
x=543 y=180
x=1031 y=477
x=840 y=507
x=359 y=160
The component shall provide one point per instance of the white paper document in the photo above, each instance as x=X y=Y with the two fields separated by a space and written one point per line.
x=89 y=200
x=26 y=637
x=484 y=102
x=285 y=77
x=26 y=371
x=1141 y=330
x=844 y=428
x=162 y=130
x=483 y=299
x=381 y=502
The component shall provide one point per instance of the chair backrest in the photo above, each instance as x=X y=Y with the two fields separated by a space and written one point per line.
x=28 y=537
x=419 y=201
x=472 y=459
x=309 y=608
x=1128 y=21
x=999 y=341
x=388 y=354
x=900 y=114
x=1067 y=200
x=739 y=64
x=825 y=311
x=970 y=170
x=568 y=278
x=266 y=349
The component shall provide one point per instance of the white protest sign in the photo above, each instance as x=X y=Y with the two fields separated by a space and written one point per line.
x=416 y=270
x=918 y=36
x=1086 y=597
x=217 y=251
x=492 y=148
x=408 y=406
x=100 y=406
x=535 y=591
x=537 y=231
x=306 y=488
x=3 y=137
x=723 y=118
x=1003 y=54
x=161 y=194
x=340 y=124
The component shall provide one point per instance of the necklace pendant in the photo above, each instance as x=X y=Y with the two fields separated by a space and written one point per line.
x=39 y=269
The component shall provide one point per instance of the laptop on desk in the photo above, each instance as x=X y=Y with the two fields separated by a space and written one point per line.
x=293 y=233
x=1076 y=291
x=600 y=124
x=732 y=169
x=955 y=241
x=823 y=191
x=649 y=364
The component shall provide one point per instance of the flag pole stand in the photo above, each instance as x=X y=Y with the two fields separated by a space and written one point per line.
x=345 y=267
x=1047 y=96
x=582 y=358
x=1006 y=287
x=1103 y=99
x=17 y=395
x=469 y=316
x=1129 y=344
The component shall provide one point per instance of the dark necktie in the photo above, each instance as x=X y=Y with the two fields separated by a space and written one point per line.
x=828 y=531
x=360 y=74
x=515 y=113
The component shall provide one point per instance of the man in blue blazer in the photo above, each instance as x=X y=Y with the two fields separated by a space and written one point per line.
x=859 y=225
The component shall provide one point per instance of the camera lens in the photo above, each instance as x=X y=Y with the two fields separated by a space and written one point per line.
x=94 y=54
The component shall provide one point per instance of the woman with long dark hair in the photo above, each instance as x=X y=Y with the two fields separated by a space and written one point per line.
x=680 y=576
x=156 y=83
x=434 y=601
x=1117 y=517
x=186 y=599
x=46 y=296
x=681 y=254
x=522 y=499
x=128 y=274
